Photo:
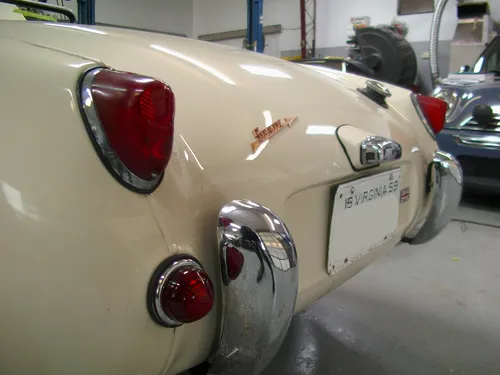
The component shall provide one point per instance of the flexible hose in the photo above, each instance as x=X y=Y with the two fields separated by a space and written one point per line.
x=434 y=40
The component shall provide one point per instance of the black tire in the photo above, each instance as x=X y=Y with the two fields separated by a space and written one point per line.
x=397 y=62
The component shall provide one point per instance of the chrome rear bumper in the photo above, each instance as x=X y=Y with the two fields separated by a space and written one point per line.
x=443 y=194
x=259 y=287
x=260 y=276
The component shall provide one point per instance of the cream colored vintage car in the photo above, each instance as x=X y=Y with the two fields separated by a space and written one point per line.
x=169 y=204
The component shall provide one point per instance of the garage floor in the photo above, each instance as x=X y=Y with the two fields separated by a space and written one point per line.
x=429 y=309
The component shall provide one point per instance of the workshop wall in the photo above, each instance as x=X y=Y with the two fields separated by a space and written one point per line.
x=200 y=17
x=168 y=16
x=171 y=16
x=333 y=22
x=214 y=16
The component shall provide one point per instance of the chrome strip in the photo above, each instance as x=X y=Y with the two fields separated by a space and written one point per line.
x=378 y=150
x=100 y=140
x=482 y=141
x=260 y=302
x=443 y=194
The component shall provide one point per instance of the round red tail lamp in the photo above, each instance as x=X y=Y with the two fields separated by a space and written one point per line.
x=180 y=292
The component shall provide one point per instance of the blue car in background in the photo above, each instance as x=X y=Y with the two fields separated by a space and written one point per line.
x=472 y=128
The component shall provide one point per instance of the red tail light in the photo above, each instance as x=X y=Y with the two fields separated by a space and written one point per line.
x=234 y=262
x=225 y=222
x=432 y=111
x=181 y=293
x=188 y=295
x=131 y=121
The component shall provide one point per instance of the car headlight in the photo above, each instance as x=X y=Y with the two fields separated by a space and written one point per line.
x=450 y=97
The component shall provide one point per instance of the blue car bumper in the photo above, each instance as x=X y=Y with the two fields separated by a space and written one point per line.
x=479 y=155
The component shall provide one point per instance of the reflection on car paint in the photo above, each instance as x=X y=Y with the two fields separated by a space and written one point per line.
x=195 y=62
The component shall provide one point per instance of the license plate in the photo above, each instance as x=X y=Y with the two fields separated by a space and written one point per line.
x=365 y=215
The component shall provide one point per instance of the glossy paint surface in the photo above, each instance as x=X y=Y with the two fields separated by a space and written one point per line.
x=90 y=245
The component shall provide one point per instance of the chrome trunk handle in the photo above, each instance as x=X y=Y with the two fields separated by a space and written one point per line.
x=378 y=150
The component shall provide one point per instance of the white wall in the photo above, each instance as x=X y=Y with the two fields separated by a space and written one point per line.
x=174 y=16
x=332 y=20
x=212 y=16
x=199 y=17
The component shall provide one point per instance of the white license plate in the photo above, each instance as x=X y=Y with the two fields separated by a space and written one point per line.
x=365 y=215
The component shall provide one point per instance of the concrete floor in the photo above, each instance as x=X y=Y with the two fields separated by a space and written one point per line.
x=432 y=309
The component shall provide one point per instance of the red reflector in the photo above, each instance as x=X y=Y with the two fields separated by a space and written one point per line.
x=188 y=295
x=225 y=222
x=434 y=111
x=234 y=262
x=135 y=116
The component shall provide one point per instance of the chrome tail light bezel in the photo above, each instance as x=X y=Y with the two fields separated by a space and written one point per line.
x=97 y=135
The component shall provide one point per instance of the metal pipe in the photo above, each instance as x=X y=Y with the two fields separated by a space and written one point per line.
x=303 y=32
x=313 y=52
x=434 y=40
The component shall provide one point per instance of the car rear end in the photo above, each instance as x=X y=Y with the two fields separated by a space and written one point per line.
x=219 y=192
